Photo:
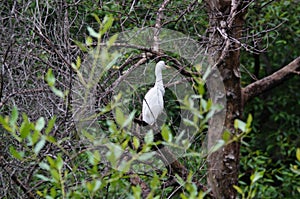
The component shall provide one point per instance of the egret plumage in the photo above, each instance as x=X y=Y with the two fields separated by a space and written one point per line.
x=153 y=102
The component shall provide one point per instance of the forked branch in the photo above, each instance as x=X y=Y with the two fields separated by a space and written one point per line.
x=271 y=81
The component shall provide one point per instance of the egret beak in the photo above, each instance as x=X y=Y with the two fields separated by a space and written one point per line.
x=168 y=67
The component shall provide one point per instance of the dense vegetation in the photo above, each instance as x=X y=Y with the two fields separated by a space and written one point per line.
x=65 y=131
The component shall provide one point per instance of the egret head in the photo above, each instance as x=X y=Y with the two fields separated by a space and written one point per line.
x=160 y=66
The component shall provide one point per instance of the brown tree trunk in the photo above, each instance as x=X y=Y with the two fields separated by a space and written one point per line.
x=226 y=23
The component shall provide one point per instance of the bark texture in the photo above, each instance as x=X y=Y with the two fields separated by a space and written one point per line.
x=226 y=23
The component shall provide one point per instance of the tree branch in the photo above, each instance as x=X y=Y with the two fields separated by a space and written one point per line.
x=158 y=24
x=271 y=81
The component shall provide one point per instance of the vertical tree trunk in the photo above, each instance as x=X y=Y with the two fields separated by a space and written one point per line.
x=226 y=22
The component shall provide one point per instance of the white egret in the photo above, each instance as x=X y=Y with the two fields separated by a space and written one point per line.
x=153 y=103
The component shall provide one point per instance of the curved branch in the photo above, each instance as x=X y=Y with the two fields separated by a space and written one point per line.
x=271 y=81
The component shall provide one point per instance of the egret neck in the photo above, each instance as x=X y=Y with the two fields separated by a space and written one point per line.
x=159 y=81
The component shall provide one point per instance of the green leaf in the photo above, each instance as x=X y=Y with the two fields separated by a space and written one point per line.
x=25 y=128
x=120 y=118
x=238 y=189
x=204 y=104
x=50 y=78
x=166 y=133
x=97 y=185
x=111 y=40
x=55 y=175
x=50 y=125
x=295 y=169
x=149 y=137
x=82 y=46
x=57 y=92
x=93 y=33
x=51 y=161
x=59 y=162
x=249 y=121
x=44 y=166
x=94 y=158
x=206 y=74
x=39 y=145
x=96 y=17
x=136 y=142
x=14 y=116
x=42 y=177
x=107 y=21
x=89 y=41
x=146 y=156
x=112 y=126
x=40 y=124
x=298 y=154
x=78 y=62
x=51 y=139
x=226 y=136
x=15 y=153
x=5 y=124
x=137 y=191
x=256 y=176
x=238 y=124
x=155 y=182
x=35 y=137
x=129 y=119
x=217 y=146
x=74 y=66
x=201 y=89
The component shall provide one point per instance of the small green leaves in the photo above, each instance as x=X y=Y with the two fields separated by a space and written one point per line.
x=244 y=127
x=256 y=176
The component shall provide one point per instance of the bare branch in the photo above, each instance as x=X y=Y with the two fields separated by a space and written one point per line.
x=189 y=8
x=21 y=93
x=158 y=24
x=271 y=81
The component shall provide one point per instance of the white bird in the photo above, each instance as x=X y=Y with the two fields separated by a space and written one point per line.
x=153 y=103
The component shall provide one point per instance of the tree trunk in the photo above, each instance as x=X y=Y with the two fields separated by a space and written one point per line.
x=226 y=23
